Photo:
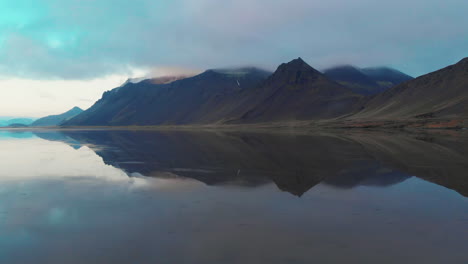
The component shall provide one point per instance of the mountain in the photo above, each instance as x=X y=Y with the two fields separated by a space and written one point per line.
x=296 y=91
x=205 y=98
x=354 y=79
x=385 y=76
x=157 y=80
x=133 y=80
x=8 y=121
x=367 y=81
x=168 y=79
x=55 y=120
x=440 y=94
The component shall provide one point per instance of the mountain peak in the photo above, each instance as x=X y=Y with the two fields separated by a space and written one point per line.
x=76 y=108
x=296 y=65
x=295 y=73
x=297 y=62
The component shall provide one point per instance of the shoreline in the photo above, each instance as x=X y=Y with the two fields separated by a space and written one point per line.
x=322 y=125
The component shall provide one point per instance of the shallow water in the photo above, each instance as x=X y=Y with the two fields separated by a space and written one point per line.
x=231 y=197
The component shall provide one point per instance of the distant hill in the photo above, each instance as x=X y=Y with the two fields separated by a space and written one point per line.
x=17 y=125
x=385 y=76
x=55 y=120
x=367 y=81
x=440 y=94
x=205 y=98
x=8 y=121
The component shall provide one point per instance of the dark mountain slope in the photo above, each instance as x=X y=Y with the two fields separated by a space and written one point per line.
x=296 y=91
x=55 y=120
x=367 y=81
x=441 y=94
x=354 y=79
x=205 y=98
x=386 y=77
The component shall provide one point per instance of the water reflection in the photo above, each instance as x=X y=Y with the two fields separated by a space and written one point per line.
x=83 y=197
x=295 y=163
x=10 y=135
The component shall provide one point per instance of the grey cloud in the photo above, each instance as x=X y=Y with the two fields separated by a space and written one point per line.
x=87 y=39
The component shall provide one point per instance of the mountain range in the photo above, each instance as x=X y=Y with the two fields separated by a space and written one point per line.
x=294 y=92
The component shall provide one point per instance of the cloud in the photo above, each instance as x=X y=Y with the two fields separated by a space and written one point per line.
x=85 y=39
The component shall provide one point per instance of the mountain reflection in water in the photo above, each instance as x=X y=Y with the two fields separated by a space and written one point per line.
x=294 y=162
x=232 y=197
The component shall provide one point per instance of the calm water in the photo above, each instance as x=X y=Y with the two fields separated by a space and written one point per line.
x=179 y=197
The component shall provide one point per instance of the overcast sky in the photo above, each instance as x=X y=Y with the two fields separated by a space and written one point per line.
x=55 y=54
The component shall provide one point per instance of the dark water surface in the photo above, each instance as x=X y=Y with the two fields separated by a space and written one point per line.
x=228 y=197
